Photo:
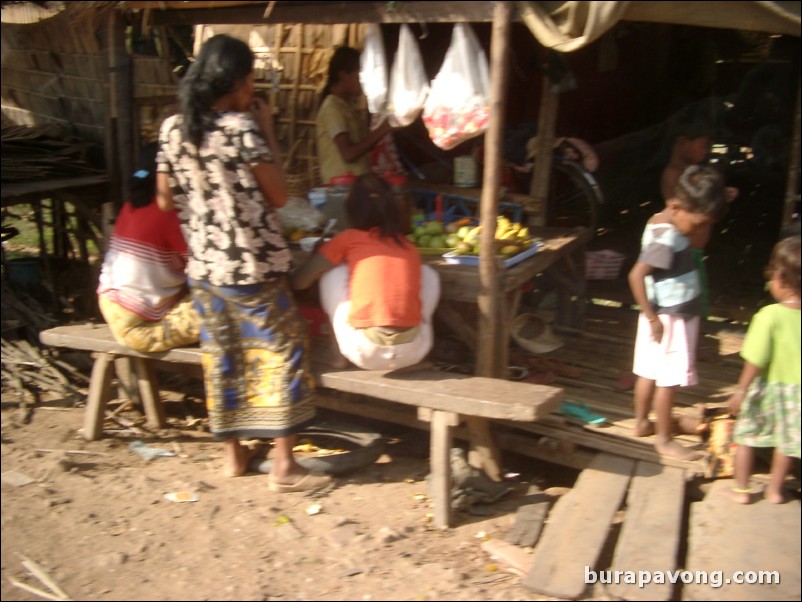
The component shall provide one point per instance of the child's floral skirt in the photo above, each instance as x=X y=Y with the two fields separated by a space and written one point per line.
x=770 y=417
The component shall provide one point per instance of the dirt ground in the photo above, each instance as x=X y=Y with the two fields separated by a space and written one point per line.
x=95 y=517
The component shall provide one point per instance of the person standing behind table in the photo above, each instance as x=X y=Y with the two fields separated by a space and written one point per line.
x=690 y=147
x=341 y=133
x=142 y=290
x=378 y=295
x=768 y=399
x=217 y=164
x=665 y=284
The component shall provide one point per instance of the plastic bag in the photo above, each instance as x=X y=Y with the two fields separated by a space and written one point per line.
x=298 y=214
x=458 y=105
x=409 y=85
x=373 y=70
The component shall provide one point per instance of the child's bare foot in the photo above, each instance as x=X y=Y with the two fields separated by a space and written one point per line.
x=673 y=449
x=774 y=497
x=644 y=428
x=739 y=496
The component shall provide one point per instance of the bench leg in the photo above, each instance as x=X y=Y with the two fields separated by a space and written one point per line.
x=127 y=388
x=99 y=396
x=442 y=424
x=149 y=392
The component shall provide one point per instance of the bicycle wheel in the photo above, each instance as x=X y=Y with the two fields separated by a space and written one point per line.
x=574 y=197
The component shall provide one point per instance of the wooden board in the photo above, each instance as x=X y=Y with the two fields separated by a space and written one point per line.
x=469 y=395
x=578 y=528
x=98 y=337
x=726 y=537
x=650 y=536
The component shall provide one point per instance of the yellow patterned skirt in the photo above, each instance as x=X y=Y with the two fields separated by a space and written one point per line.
x=255 y=360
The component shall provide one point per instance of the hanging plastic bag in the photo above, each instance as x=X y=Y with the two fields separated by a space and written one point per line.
x=373 y=70
x=458 y=105
x=409 y=85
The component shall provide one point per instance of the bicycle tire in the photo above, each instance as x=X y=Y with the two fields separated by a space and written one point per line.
x=574 y=197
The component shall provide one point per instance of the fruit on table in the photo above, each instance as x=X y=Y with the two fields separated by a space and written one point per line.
x=510 y=237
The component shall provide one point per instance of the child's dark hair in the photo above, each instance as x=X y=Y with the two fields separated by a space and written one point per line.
x=344 y=59
x=785 y=262
x=143 y=180
x=222 y=63
x=371 y=203
x=701 y=190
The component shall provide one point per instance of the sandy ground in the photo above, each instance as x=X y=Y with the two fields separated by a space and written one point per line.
x=95 y=517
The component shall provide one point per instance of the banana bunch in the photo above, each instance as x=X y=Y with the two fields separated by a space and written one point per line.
x=510 y=238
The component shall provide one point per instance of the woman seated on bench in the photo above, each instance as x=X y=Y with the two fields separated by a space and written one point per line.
x=379 y=297
x=143 y=292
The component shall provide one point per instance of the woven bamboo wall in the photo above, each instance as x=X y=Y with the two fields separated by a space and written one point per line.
x=291 y=68
x=54 y=71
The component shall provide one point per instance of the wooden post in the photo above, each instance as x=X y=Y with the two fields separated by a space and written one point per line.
x=546 y=126
x=298 y=63
x=792 y=187
x=483 y=453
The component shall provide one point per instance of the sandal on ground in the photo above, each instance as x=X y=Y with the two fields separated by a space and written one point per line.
x=578 y=410
x=308 y=482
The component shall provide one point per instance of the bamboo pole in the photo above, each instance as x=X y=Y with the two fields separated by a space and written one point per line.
x=483 y=453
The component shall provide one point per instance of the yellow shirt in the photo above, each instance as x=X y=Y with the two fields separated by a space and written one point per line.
x=335 y=117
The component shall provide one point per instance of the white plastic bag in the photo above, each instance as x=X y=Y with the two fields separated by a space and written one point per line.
x=298 y=214
x=408 y=82
x=373 y=70
x=458 y=105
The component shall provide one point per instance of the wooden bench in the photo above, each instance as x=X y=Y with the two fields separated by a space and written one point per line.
x=441 y=398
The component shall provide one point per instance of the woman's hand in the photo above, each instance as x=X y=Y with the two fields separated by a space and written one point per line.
x=263 y=115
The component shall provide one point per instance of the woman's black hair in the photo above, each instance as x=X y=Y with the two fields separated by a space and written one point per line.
x=143 y=180
x=222 y=63
x=371 y=203
x=344 y=59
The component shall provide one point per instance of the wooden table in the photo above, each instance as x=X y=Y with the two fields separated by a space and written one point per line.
x=562 y=256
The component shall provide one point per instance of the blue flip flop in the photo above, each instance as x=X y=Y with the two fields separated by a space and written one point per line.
x=578 y=409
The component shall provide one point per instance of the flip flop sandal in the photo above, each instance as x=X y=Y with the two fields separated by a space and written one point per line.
x=577 y=409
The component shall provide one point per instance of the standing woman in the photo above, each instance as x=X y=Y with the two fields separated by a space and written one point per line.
x=343 y=140
x=217 y=165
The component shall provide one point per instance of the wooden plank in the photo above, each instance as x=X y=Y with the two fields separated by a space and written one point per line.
x=578 y=528
x=725 y=537
x=99 y=395
x=469 y=395
x=98 y=337
x=529 y=519
x=339 y=12
x=440 y=461
x=650 y=536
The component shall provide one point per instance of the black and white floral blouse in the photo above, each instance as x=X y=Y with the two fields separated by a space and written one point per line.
x=234 y=236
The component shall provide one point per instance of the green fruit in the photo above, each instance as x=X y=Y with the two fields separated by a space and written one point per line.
x=420 y=231
x=463 y=232
x=434 y=228
x=424 y=241
x=453 y=240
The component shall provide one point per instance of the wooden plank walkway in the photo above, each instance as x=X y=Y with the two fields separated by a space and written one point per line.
x=725 y=537
x=578 y=528
x=652 y=530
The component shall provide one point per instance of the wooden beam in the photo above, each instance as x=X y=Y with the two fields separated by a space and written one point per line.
x=487 y=363
x=547 y=124
x=331 y=13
